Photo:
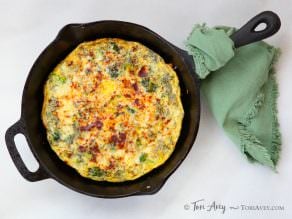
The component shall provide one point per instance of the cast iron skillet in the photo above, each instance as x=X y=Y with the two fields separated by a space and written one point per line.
x=30 y=124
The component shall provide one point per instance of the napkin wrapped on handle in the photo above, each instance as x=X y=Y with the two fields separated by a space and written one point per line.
x=240 y=88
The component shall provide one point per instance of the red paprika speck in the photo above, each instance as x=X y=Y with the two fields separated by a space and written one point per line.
x=122 y=137
x=143 y=72
x=93 y=158
x=88 y=70
x=135 y=86
x=98 y=124
x=111 y=165
x=81 y=148
x=118 y=140
x=70 y=63
x=91 y=53
x=126 y=83
x=99 y=76
x=121 y=145
x=119 y=106
x=74 y=85
x=114 y=139
x=94 y=150
x=134 y=48
x=137 y=102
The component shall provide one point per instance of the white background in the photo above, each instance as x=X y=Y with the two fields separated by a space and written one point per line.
x=214 y=170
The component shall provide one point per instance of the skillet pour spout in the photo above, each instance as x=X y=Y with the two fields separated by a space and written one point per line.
x=31 y=126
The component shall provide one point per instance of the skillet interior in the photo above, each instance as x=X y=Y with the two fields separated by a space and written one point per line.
x=67 y=39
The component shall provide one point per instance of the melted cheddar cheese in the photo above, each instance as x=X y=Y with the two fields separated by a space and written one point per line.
x=112 y=110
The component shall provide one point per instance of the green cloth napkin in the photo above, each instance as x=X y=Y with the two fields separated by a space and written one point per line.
x=240 y=88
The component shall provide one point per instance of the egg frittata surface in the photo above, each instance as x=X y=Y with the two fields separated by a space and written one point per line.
x=112 y=110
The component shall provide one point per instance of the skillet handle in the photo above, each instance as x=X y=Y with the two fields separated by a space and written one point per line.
x=19 y=128
x=247 y=34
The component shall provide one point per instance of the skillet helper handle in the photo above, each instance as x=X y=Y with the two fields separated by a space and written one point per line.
x=248 y=34
x=18 y=128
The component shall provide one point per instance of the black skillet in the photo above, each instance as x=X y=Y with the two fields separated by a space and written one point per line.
x=30 y=124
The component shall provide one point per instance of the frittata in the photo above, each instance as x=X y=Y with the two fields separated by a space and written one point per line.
x=112 y=110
